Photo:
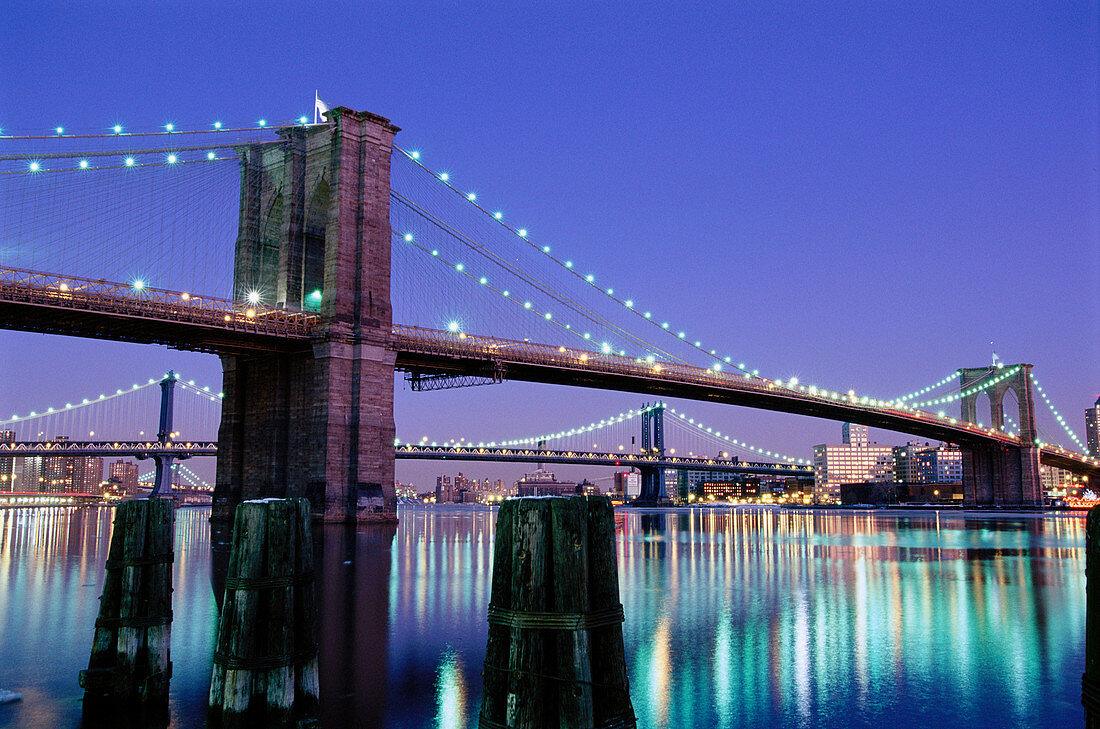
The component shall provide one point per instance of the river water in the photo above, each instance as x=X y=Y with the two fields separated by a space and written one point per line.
x=748 y=617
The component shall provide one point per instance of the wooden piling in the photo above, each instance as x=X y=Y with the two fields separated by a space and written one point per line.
x=554 y=656
x=130 y=661
x=1090 y=680
x=265 y=661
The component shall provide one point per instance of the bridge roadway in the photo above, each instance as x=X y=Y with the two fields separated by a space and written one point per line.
x=179 y=450
x=50 y=303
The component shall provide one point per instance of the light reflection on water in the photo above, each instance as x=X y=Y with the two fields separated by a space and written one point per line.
x=739 y=618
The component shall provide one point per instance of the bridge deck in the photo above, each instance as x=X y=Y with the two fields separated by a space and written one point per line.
x=55 y=304
x=420 y=349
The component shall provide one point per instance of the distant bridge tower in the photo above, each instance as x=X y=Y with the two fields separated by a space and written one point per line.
x=314 y=234
x=653 y=441
x=999 y=475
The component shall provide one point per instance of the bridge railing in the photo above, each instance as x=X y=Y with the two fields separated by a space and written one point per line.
x=134 y=299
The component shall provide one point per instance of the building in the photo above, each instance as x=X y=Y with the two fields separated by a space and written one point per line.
x=746 y=488
x=854 y=434
x=942 y=464
x=123 y=477
x=444 y=490
x=1092 y=429
x=905 y=461
x=857 y=460
x=543 y=483
x=7 y=465
x=628 y=484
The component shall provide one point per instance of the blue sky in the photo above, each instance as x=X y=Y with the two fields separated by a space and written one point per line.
x=857 y=194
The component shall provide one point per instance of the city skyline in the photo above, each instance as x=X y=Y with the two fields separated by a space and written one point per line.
x=876 y=231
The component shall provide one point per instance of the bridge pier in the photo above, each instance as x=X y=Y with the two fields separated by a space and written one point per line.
x=1000 y=475
x=314 y=235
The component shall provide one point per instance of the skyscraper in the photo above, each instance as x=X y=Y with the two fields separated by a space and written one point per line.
x=854 y=461
x=7 y=465
x=1092 y=428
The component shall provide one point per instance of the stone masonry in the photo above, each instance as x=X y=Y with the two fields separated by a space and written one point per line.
x=314 y=234
x=996 y=475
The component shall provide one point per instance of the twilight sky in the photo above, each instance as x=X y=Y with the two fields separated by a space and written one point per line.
x=861 y=195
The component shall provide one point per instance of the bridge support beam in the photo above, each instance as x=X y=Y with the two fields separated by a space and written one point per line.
x=315 y=234
x=1000 y=475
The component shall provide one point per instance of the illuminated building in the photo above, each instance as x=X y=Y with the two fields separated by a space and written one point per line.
x=124 y=475
x=1092 y=429
x=541 y=482
x=942 y=464
x=855 y=461
x=628 y=484
x=7 y=465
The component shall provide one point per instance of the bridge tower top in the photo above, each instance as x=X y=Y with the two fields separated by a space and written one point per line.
x=996 y=381
x=314 y=227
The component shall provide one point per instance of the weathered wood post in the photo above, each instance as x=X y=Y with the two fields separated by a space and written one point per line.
x=265 y=661
x=554 y=656
x=1090 y=680
x=130 y=660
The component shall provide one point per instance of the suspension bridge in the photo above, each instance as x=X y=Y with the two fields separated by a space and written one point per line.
x=352 y=260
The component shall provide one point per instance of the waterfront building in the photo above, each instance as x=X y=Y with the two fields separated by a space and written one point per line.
x=746 y=488
x=857 y=460
x=1092 y=429
x=7 y=465
x=541 y=482
x=628 y=484
x=444 y=490
x=123 y=476
x=942 y=464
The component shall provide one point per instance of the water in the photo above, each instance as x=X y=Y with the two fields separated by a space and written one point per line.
x=734 y=618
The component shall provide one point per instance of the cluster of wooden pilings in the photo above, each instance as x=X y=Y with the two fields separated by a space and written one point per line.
x=554 y=656
x=130 y=664
x=265 y=662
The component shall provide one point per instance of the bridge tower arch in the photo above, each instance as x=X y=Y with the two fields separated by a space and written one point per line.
x=998 y=475
x=314 y=235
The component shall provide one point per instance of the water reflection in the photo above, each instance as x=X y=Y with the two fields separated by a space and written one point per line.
x=734 y=618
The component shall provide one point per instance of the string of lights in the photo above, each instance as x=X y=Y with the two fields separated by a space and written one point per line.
x=579 y=430
x=969 y=391
x=103 y=397
x=719 y=438
x=1058 y=416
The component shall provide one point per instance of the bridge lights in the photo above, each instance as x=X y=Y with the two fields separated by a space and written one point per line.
x=185 y=296
x=34 y=167
x=211 y=156
x=262 y=123
x=253 y=297
x=60 y=131
x=414 y=154
x=589 y=278
x=522 y=232
x=217 y=125
x=303 y=120
x=117 y=128
x=83 y=164
x=129 y=161
x=498 y=215
x=172 y=159
x=138 y=285
x=444 y=176
x=452 y=326
x=471 y=196
x=250 y=313
x=408 y=237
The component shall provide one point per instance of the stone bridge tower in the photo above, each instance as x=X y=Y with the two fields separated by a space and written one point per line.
x=995 y=475
x=314 y=235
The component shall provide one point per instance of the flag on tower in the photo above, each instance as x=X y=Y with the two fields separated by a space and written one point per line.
x=320 y=108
